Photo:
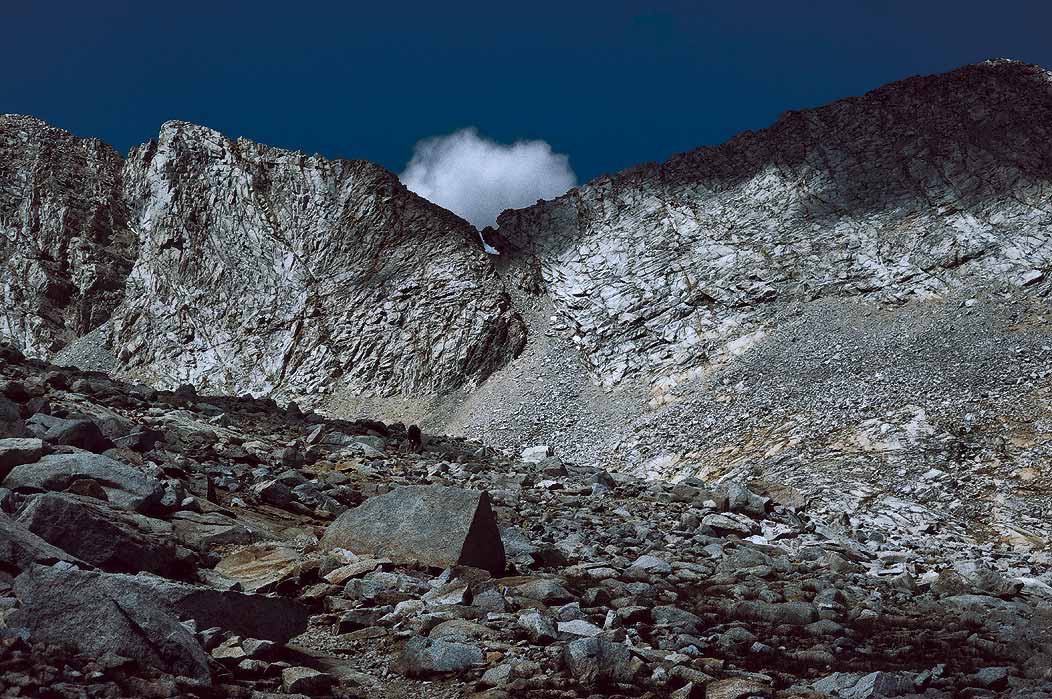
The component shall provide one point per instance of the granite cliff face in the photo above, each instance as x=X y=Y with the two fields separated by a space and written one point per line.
x=913 y=190
x=241 y=268
x=798 y=388
x=277 y=273
x=65 y=245
x=852 y=302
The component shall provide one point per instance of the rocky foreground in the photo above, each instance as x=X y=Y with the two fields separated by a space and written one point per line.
x=161 y=544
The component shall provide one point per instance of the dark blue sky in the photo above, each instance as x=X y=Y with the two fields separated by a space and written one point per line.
x=611 y=84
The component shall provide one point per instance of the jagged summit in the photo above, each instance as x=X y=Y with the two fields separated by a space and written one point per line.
x=869 y=194
x=255 y=268
x=845 y=301
x=874 y=266
x=282 y=272
x=65 y=247
x=787 y=403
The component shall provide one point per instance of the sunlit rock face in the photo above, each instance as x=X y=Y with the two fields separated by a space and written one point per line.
x=912 y=190
x=65 y=247
x=274 y=272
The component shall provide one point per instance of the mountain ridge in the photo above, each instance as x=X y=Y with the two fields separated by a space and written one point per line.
x=771 y=410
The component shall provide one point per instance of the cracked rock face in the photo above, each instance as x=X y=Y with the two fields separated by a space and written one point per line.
x=65 y=247
x=912 y=190
x=277 y=273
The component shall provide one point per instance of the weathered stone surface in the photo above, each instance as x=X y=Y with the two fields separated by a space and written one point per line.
x=868 y=686
x=596 y=661
x=736 y=688
x=539 y=629
x=258 y=567
x=124 y=485
x=98 y=614
x=354 y=281
x=422 y=657
x=256 y=616
x=305 y=680
x=670 y=296
x=83 y=434
x=107 y=537
x=65 y=245
x=202 y=531
x=15 y=452
x=20 y=547
x=536 y=454
x=435 y=525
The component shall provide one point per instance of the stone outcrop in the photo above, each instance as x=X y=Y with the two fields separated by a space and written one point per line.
x=65 y=244
x=241 y=267
x=912 y=190
x=278 y=273
x=60 y=606
x=105 y=536
x=123 y=485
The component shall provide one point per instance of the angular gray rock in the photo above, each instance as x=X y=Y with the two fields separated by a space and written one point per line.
x=107 y=537
x=305 y=680
x=65 y=245
x=20 y=548
x=869 y=686
x=125 y=486
x=83 y=434
x=256 y=616
x=679 y=619
x=17 y=451
x=203 y=531
x=539 y=629
x=423 y=657
x=435 y=525
x=597 y=661
x=98 y=614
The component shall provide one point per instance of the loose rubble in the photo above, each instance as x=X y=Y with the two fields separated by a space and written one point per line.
x=200 y=577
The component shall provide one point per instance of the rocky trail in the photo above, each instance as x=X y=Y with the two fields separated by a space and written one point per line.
x=164 y=544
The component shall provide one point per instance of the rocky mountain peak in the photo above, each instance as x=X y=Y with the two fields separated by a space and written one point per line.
x=65 y=246
x=274 y=271
x=785 y=403
x=901 y=193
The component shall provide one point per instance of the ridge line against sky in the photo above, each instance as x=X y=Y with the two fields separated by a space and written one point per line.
x=611 y=85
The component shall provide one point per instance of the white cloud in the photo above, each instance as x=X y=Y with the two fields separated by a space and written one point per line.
x=477 y=178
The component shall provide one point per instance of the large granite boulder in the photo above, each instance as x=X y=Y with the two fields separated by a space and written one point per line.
x=19 y=548
x=125 y=486
x=83 y=434
x=99 y=613
x=112 y=539
x=433 y=525
x=269 y=618
x=17 y=451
